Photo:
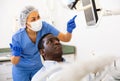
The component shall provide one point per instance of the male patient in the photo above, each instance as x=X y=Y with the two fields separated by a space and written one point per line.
x=51 y=51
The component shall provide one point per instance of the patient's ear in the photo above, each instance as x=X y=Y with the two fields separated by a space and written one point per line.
x=42 y=52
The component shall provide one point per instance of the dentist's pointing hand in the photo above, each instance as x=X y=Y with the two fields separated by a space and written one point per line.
x=71 y=24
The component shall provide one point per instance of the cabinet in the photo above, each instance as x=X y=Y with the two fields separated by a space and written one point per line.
x=6 y=71
x=69 y=57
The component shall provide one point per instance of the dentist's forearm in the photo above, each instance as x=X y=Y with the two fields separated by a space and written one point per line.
x=65 y=37
x=15 y=59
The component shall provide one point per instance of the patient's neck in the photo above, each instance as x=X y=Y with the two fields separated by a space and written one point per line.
x=59 y=60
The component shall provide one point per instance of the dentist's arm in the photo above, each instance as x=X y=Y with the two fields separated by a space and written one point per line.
x=70 y=26
x=15 y=59
x=65 y=37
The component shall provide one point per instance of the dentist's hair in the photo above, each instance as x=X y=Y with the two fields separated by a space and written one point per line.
x=24 y=14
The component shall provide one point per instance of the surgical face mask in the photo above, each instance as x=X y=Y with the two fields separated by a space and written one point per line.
x=36 y=25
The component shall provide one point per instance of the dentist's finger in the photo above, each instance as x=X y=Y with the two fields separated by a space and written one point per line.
x=74 y=17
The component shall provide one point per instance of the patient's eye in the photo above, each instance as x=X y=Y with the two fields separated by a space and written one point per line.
x=56 y=39
x=48 y=41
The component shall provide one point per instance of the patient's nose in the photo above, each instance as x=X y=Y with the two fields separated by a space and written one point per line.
x=56 y=42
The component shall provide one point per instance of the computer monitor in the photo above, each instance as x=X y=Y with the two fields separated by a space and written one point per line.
x=91 y=15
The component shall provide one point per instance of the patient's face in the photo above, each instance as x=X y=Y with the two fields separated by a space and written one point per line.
x=52 y=46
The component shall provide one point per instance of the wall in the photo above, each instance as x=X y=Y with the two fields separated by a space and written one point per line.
x=103 y=39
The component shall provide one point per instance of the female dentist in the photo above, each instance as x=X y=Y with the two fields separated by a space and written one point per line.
x=25 y=55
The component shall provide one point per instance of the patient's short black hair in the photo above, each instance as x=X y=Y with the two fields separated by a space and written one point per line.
x=40 y=43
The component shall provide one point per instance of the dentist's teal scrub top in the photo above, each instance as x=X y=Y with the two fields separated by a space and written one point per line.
x=30 y=56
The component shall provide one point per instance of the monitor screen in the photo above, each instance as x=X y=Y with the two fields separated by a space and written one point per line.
x=91 y=15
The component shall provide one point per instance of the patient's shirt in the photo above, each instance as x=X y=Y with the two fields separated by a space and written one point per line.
x=46 y=67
